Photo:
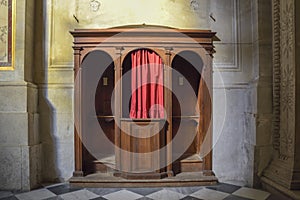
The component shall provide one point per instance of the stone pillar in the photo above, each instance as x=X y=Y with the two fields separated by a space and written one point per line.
x=19 y=140
x=262 y=61
x=283 y=174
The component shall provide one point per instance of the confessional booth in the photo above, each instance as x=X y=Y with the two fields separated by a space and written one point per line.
x=143 y=106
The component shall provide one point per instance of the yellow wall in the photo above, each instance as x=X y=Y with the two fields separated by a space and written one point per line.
x=173 y=13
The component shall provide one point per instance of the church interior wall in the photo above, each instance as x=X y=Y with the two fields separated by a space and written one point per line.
x=43 y=101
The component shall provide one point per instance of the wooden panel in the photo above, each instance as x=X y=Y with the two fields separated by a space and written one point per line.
x=140 y=139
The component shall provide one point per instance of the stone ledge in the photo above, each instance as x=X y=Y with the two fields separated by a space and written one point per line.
x=279 y=190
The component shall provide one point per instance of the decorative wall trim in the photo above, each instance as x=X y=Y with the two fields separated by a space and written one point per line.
x=284 y=77
x=276 y=74
x=7 y=34
x=288 y=78
x=282 y=169
x=234 y=66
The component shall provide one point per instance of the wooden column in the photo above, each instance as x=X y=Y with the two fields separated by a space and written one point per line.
x=118 y=104
x=77 y=113
x=168 y=107
x=206 y=109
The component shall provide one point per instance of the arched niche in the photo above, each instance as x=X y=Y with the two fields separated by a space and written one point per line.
x=188 y=88
x=127 y=78
x=96 y=82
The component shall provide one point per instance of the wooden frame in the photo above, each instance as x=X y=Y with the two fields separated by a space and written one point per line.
x=167 y=43
x=10 y=32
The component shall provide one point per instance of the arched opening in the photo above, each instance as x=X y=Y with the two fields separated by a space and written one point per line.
x=143 y=85
x=186 y=76
x=97 y=124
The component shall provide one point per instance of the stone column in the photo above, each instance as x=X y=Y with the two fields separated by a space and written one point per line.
x=283 y=174
x=19 y=141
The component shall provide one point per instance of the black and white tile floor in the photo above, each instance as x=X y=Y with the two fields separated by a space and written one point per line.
x=65 y=192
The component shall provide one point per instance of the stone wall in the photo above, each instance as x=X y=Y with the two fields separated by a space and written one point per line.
x=242 y=76
x=20 y=147
x=234 y=89
x=282 y=175
x=236 y=73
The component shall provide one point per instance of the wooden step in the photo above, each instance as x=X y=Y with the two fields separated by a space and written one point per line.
x=105 y=165
x=184 y=179
x=192 y=163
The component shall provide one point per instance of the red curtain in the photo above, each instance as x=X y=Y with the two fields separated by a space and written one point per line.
x=147 y=100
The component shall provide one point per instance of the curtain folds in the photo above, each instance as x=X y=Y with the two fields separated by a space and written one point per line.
x=147 y=100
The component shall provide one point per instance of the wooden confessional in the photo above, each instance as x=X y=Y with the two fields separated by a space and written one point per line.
x=110 y=146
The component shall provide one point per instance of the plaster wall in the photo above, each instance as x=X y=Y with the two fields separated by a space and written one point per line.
x=240 y=53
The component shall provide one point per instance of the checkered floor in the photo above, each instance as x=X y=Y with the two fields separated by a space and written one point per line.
x=65 y=192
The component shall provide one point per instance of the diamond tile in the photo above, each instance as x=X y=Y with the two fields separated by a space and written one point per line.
x=47 y=185
x=36 y=195
x=103 y=191
x=251 y=193
x=79 y=195
x=223 y=187
x=144 y=191
x=62 y=189
x=144 y=198
x=123 y=194
x=99 y=198
x=209 y=194
x=190 y=198
x=55 y=198
x=233 y=197
x=166 y=194
x=185 y=190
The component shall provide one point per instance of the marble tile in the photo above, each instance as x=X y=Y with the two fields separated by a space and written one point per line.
x=233 y=197
x=55 y=198
x=62 y=189
x=251 y=193
x=223 y=187
x=123 y=194
x=50 y=185
x=209 y=194
x=103 y=191
x=190 y=198
x=185 y=190
x=166 y=194
x=36 y=195
x=79 y=195
x=99 y=198
x=144 y=198
x=144 y=191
